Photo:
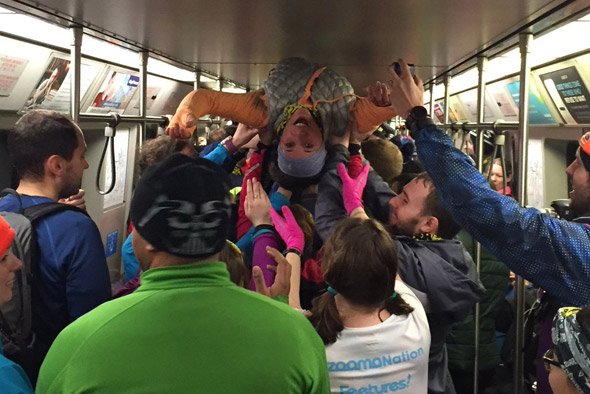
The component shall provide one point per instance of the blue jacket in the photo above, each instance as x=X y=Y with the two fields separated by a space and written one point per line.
x=12 y=377
x=73 y=274
x=554 y=254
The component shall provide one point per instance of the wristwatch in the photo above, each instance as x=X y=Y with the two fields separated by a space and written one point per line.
x=418 y=118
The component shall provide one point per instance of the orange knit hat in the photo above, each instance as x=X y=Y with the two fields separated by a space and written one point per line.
x=585 y=150
x=6 y=235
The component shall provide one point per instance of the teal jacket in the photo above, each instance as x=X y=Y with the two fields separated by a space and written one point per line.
x=461 y=339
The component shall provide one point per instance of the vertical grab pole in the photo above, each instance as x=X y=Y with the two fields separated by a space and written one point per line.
x=197 y=80
x=447 y=82
x=482 y=62
x=75 y=62
x=431 y=105
x=143 y=63
x=447 y=106
x=525 y=40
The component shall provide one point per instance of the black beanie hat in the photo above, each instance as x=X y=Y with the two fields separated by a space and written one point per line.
x=182 y=206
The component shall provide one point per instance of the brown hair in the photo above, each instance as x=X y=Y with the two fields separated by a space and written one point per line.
x=232 y=257
x=305 y=221
x=158 y=149
x=36 y=136
x=385 y=158
x=360 y=262
x=447 y=227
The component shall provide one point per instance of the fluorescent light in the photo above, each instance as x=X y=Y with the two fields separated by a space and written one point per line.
x=101 y=49
x=439 y=91
x=426 y=99
x=206 y=78
x=233 y=89
x=35 y=29
x=506 y=64
x=570 y=38
x=463 y=81
x=159 y=67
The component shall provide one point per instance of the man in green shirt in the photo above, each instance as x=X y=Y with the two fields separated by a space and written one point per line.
x=188 y=328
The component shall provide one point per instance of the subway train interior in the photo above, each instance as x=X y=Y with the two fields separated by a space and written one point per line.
x=124 y=66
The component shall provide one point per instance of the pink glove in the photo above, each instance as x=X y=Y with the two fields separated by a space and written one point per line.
x=288 y=229
x=352 y=188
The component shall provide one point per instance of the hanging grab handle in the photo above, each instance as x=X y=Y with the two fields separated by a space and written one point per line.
x=163 y=124
x=109 y=133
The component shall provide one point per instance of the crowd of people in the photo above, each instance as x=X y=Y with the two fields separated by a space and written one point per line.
x=340 y=266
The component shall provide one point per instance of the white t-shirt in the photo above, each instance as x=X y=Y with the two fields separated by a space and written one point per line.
x=389 y=357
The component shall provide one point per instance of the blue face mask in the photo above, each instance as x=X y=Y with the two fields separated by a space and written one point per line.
x=302 y=168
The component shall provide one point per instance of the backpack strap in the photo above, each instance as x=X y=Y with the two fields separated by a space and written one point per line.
x=36 y=212
x=33 y=214
x=8 y=191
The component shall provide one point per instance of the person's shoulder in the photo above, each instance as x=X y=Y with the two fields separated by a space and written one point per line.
x=267 y=303
x=270 y=310
x=13 y=378
x=98 y=319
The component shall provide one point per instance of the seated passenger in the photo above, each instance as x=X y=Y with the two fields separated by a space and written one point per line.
x=568 y=361
x=13 y=379
x=188 y=328
x=375 y=329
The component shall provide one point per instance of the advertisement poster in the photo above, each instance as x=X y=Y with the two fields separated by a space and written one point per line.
x=469 y=100
x=456 y=113
x=11 y=68
x=115 y=93
x=504 y=101
x=46 y=89
x=439 y=110
x=538 y=111
x=569 y=93
x=151 y=95
x=53 y=89
x=117 y=196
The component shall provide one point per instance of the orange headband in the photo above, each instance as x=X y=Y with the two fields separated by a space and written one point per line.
x=6 y=235
x=585 y=143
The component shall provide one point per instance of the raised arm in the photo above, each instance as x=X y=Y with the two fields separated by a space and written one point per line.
x=248 y=108
x=552 y=253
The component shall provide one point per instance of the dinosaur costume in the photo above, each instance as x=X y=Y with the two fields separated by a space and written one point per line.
x=294 y=83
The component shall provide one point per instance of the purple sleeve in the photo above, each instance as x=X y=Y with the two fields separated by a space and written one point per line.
x=262 y=259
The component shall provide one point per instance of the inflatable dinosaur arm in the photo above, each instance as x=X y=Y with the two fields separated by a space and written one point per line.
x=248 y=108
x=369 y=116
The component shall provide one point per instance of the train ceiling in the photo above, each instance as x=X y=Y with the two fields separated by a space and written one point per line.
x=242 y=40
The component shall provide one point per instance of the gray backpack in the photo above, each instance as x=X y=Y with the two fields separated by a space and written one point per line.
x=16 y=328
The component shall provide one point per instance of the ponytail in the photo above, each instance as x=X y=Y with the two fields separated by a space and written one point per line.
x=325 y=318
x=398 y=306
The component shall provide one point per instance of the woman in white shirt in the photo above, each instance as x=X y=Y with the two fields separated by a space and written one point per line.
x=375 y=329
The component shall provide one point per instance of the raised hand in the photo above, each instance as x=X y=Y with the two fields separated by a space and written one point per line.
x=243 y=135
x=352 y=188
x=281 y=285
x=288 y=229
x=405 y=90
x=76 y=200
x=378 y=94
x=182 y=124
x=257 y=204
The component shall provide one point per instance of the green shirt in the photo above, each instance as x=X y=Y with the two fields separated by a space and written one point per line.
x=187 y=329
